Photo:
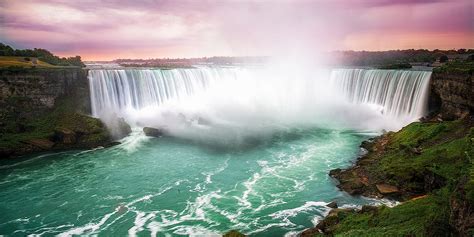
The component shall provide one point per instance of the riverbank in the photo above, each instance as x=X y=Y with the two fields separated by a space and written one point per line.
x=427 y=166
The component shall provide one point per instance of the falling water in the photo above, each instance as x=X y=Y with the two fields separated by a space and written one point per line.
x=398 y=93
x=121 y=89
x=354 y=98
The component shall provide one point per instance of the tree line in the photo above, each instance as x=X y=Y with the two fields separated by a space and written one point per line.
x=42 y=54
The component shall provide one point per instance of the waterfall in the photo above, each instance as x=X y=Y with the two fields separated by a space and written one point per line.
x=252 y=98
x=118 y=90
x=398 y=93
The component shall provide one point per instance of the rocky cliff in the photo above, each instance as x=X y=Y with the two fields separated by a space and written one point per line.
x=452 y=92
x=40 y=89
x=46 y=109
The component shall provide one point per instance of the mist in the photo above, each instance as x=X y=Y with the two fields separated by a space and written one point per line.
x=229 y=106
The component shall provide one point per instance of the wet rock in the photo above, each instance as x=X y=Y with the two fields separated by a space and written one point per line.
x=153 y=132
x=123 y=127
x=233 y=233
x=387 y=189
x=332 y=204
x=42 y=143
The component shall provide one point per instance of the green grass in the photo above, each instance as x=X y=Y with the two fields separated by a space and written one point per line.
x=447 y=151
x=12 y=61
x=412 y=218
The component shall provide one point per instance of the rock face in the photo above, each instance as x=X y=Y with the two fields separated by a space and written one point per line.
x=452 y=93
x=41 y=88
x=461 y=210
x=46 y=109
x=387 y=189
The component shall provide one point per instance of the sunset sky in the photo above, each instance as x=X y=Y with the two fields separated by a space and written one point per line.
x=110 y=29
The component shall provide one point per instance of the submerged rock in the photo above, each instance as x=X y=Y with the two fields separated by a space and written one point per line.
x=153 y=132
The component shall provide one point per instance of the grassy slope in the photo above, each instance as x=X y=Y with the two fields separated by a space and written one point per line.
x=447 y=150
x=20 y=62
x=444 y=149
x=9 y=61
x=412 y=218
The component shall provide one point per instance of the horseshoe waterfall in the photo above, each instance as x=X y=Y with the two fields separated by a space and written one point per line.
x=243 y=148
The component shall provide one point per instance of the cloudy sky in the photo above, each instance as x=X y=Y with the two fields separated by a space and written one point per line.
x=109 y=29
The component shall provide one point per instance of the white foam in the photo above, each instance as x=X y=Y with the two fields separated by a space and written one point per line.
x=308 y=206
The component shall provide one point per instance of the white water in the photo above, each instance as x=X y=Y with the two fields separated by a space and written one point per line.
x=228 y=105
x=400 y=94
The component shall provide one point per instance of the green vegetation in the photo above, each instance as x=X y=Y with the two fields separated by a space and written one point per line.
x=22 y=62
x=17 y=130
x=463 y=67
x=394 y=57
x=28 y=55
x=439 y=150
x=396 y=66
x=420 y=217
x=432 y=158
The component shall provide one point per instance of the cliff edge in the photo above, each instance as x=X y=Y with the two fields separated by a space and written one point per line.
x=46 y=110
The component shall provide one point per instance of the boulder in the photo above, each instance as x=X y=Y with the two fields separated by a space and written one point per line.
x=42 y=143
x=153 y=132
x=332 y=204
x=123 y=127
x=387 y=189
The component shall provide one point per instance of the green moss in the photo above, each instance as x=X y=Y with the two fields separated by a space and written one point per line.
x=91 y=130
x=444 y=150
x=412 y=218
x=460 y=67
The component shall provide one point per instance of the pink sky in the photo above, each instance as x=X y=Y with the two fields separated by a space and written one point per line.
x=110 y=29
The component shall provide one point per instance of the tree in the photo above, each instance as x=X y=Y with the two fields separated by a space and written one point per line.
x=443 y=59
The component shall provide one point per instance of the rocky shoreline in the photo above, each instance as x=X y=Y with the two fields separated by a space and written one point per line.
x=425 y=166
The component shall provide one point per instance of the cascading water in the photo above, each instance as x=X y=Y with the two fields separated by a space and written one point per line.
x=356 y=98
x=400 y=94
x=135 y=89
